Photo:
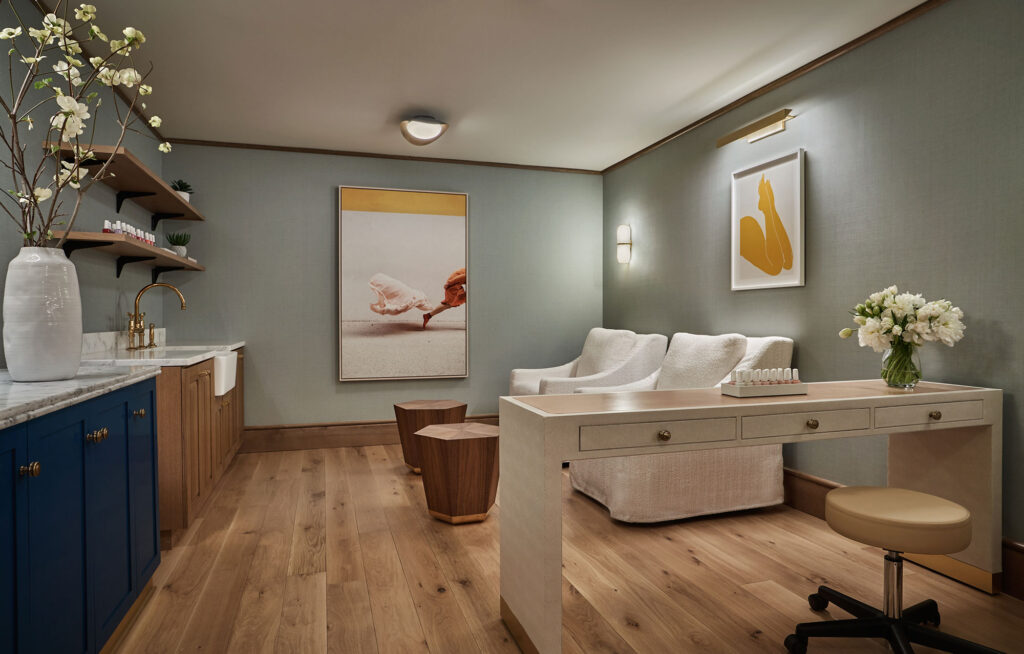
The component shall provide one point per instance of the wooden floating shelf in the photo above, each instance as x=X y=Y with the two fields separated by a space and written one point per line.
x=134 y=181
x=127 y=250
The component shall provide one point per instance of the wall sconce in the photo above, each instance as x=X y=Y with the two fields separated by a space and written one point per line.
x=423 y=130
x=623 y=244
x=759 y=129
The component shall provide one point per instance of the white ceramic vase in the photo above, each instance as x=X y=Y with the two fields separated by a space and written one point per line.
x=184 y=195
x=42 y=316
x=180 y=250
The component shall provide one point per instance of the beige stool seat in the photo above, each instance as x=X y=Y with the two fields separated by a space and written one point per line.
x=898 y=519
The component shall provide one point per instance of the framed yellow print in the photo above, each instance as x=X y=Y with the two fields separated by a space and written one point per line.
x=768 y=224
x=402 y=283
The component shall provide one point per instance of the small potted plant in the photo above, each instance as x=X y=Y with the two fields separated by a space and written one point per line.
x=182 y=188
x=178 y=241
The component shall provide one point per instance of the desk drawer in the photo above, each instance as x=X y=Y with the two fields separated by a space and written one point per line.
x=928 y=414
x=812 y=422
x=646 y=434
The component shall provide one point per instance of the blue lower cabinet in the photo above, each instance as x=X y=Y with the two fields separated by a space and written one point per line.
x=143 y=474
x=78 y=524
x=13 y=535
x=108 y=542
x=56 y=534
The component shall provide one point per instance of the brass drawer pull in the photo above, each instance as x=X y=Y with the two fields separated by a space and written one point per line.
x=98 y=436
x=31 y=470
x=204 y=373
x=812 y=423
x=935 y=415
x=139 y=413
x=664 y=435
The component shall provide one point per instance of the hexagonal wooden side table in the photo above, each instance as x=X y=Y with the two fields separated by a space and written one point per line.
x=415 y=415
x=460 y=470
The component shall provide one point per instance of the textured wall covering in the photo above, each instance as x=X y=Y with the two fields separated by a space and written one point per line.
x=105 y=299
x=914 y=159
x=270 y=249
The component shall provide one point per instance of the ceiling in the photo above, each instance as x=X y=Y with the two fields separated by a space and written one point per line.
x=566 y=83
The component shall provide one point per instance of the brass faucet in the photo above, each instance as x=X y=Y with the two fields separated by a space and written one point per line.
x=137 y=320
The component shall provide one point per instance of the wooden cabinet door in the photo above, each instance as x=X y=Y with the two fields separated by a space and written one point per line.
x=56 y=617
x=108 y=531
x=221 y=431
x=239 y=400
x=196 y=424
x=143 y=479
x=13 y=537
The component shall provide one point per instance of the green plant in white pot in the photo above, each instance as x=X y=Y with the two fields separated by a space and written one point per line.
x=178 y=242
x=182 y=188
x=54 y=90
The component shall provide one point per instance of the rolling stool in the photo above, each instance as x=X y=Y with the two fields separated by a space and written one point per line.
x=896 y=520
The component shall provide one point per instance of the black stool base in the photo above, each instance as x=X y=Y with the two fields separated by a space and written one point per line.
x=869 y=622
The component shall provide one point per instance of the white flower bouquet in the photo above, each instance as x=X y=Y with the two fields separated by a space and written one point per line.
x=897 y=323
x=52 y=75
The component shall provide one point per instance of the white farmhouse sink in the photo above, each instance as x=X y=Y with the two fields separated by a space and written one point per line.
x=225 y=364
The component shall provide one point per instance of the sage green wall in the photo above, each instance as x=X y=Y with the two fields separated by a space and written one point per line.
x=105 y=299
x=270 y=249
x=914 y=149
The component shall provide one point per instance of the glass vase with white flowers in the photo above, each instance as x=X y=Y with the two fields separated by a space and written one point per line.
x=60 y=69
x=896 y=324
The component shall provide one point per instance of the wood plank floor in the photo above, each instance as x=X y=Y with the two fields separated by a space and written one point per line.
x=333 y=551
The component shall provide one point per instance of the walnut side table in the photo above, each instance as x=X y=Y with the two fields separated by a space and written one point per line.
x=415 y=415
x=460 y=470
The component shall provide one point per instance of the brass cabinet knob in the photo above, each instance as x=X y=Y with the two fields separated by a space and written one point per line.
x=31 y=470
x=94 y=436
x=812 y=423
x=664 y=435
x=139 y=413
x=105 y=432
x=935 y=415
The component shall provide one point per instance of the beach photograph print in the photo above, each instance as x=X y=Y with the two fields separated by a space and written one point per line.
x=768 y=224
x=403 y=285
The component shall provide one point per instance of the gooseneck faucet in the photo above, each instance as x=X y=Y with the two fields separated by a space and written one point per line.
x=137 y=323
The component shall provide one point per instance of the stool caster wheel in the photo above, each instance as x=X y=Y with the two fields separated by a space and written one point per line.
x=796 y=644
x=817 y=602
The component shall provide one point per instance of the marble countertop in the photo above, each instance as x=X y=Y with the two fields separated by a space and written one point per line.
x=20 y=402
x=165 y=355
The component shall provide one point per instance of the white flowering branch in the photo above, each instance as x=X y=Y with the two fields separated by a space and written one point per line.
x=36 y=205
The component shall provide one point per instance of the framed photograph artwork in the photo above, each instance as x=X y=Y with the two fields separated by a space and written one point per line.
x=768 y=224
x=402 y=284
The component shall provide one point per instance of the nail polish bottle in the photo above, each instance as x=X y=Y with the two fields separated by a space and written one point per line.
x=107 y=229
x=732 y=377
x=787 y=376
x=796 y=376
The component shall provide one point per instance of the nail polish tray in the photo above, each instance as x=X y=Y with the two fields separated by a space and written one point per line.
x=765 y=390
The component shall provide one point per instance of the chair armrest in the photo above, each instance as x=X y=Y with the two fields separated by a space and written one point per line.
x=526 y=381
x=646 y=384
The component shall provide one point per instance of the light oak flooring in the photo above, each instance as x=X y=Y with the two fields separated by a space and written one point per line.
x=333 y=551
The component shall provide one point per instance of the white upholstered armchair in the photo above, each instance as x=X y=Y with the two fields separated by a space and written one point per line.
x=653 y=488
x=610 y=357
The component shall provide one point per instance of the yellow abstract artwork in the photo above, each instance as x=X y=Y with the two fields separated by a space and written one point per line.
x=767 y=224
x=769 y=249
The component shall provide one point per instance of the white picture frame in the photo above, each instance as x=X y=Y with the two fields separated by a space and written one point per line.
x=766 y=197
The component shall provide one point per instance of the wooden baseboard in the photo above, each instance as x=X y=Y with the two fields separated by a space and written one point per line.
x=281 y=438
x=806 y=493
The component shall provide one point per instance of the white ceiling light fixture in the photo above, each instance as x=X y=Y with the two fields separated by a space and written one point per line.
x=423 y=130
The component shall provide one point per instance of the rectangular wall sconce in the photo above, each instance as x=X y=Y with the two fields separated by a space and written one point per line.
x=623 y=244
x=759 y=129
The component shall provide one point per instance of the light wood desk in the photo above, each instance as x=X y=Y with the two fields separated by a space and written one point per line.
x=945 y=440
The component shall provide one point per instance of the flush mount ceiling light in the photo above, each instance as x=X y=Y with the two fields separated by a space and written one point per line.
x=759 y=129
x=423 y=130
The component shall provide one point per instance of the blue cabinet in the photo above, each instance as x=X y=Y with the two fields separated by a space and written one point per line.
x=77 y=522
x=13 y=535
